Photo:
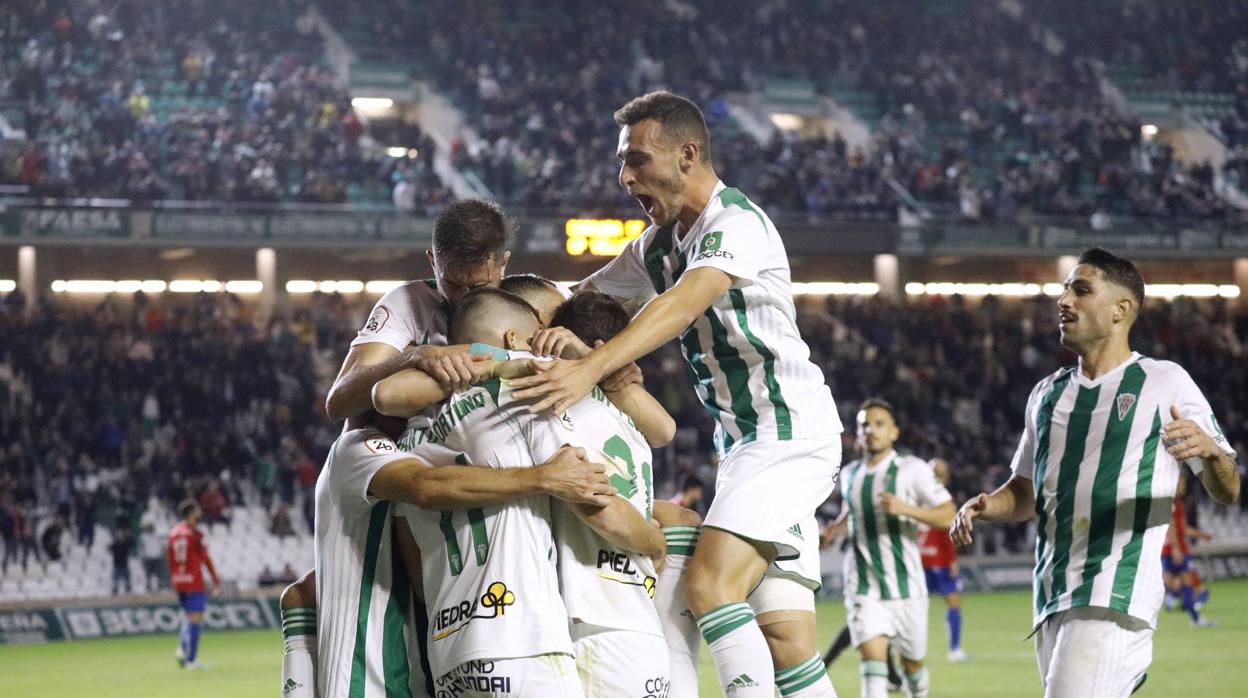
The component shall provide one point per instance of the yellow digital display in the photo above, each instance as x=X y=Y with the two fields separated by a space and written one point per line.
x=600 y=237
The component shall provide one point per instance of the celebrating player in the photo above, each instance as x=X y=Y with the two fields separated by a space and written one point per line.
x=1098 y=464
x=721 y=276
x=940 y=567
x=886 y=497
x=187 y=558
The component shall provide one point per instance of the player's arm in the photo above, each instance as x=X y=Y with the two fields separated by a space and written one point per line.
x=940 y=516
x=1185 y=439
x=366 y=364
x=834 y=529
x=566 y=475
x=1014 y=501
x=1172 y=539
x=212 y=569
x=411 y=391
x=623 y=527
x=669 y=514
x=564 y=382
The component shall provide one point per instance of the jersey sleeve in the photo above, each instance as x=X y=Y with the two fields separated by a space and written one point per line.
x=392 y=322
x=1193 y=405
x=735 y=243
x=358 y=456
x=1024 y=463
x=626 y=276
x=928 y=492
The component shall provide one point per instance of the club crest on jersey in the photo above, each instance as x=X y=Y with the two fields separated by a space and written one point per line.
x=1125 y=402
x=565 y=420
x=378 y=319
x=380 y=445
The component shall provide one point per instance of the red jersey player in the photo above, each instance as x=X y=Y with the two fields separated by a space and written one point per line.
x=940 y=566
x=187 y=558
x=1176 y=561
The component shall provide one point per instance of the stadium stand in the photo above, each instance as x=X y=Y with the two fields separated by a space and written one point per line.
x=93 y=440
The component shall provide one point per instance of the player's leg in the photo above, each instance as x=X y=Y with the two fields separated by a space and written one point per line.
x=874 y=669
x=723 y=570
x=193 y=605
x=953 y=623
x=1188 y=594
x=785 y=609
x=298 y=605
x=1096 y=654
x=838 y=646
x=681 y=528
x=910 y=619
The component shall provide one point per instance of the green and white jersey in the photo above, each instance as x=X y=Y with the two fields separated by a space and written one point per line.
x=884 y=562
x=749 y=364
x=601 y=584
x=362 y=595
x=411 y=313
x=1104 y=482
x=490 y=583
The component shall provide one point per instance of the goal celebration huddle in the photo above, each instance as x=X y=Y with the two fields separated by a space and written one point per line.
x=486 y=523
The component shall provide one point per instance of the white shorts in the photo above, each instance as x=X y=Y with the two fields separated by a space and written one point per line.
x=780 y=593
x=904 y=621
x=1092 y=652
x=620 y=663
x=767 y=491
x=551 y=675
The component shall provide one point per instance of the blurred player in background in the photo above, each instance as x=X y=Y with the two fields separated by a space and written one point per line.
x=187 y=558
x=886 y=496
x=1098 y=463
x=940 y=566
x=715 y=273
x=1180 y=578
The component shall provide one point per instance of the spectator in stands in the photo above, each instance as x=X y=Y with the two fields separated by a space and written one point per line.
x=152 y=544
x=690 y=496
x=30 y=543
x=214 y=504
x=280 y=525
x=51 y=538
x=8 y=532
x=122 y=548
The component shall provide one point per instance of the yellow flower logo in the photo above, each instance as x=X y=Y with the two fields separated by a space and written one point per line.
x=498 y=598
x=649 y=585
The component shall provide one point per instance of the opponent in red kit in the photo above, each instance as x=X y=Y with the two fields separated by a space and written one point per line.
x=187 y=558
x=940 y=566
x=1176 y=562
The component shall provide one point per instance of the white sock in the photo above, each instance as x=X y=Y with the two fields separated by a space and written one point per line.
x=918 y=683
x=684 y=642
x=874 y=679
x=299 y=659
x=806 y=680
x=742 y=658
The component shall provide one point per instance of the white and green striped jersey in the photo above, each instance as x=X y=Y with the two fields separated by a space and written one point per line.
x=1104 y=482
x=362 y=595
x=601 y=584
x=489 y=578
x=411 y=313
x=749 y=364
x=884 y=561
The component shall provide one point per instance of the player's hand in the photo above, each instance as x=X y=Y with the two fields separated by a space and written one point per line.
x=216 y=589
x=454 y=371
x=556 y=385
x=892 y=505
x=572 y=478
x=659 y=559
x=1185 y=439
x=1204 y=535
x=626 y=375
x=511 y=368
x=558 y=342
x=963 y=522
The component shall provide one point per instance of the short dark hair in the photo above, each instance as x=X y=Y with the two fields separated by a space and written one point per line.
x=470 y=231
x=690 y=482
x=476 y=306
x=679 y=118
x=186 y=507
x=519 y=283
x=878 y=403
x=1117 y=270
x=591 y=316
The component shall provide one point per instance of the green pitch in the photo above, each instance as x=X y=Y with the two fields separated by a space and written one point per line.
x=1187 y=661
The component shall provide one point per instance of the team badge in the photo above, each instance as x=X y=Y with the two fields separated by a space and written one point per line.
x=1125 y=402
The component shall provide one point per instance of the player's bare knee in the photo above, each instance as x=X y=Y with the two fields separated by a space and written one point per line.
x=910 y=666
x=790 y=636
x=301 y=594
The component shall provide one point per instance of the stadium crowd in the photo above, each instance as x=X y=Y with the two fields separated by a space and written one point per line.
x=112 y=413
x=188 y=100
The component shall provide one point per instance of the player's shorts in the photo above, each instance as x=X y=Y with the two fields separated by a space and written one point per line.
x=904 y=621
x=942 y=580
x=780 y=593
x=551 y=675
x=767 y=491
x=193 y=601
x=1092 y=653
x=1169 y=566
x=621 y=663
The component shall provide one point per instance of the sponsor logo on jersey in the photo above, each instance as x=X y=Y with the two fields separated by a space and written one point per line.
x=616 y=566
x=377 y=320
x=723 y=254
x=658 y=687
x=742 y=681
x=291 y=685
x=1125 y=402
x=709 y=246
x=476 y=676
x=796 y=530
x=492 y=604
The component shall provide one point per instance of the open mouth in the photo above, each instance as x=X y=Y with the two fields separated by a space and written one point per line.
x=647 y=203
x=1064 y=319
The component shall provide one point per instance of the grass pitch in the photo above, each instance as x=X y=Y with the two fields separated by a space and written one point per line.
x=1187 y=661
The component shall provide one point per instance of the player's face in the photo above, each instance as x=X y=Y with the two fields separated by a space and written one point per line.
x=1087 y=307
x=941 y=468
x=456 y=280
x=650 y=171
x=877 y=432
